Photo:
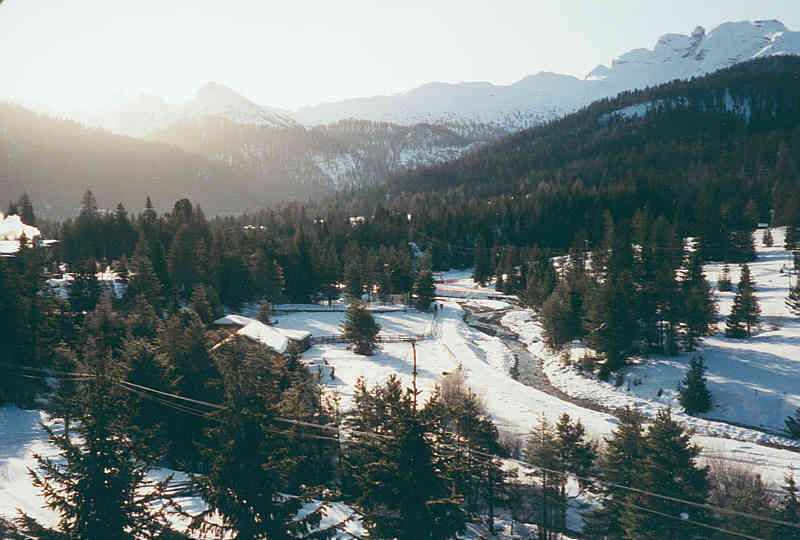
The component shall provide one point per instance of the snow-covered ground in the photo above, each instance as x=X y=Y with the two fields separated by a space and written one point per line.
x=753 y=381
x=332 y=323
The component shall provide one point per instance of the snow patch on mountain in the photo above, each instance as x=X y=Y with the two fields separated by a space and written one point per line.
x=740 y=107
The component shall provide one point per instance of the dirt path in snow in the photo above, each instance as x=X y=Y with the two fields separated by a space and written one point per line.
x=528 y=366
x=530 y=371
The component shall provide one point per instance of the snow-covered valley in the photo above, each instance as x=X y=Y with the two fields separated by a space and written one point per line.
x=753 y=382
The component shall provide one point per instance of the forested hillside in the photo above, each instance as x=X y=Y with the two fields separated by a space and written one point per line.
x=711 y=154
x=224 y=166
x=53 y=159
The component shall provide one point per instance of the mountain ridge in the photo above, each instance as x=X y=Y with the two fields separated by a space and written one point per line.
x=481 y=108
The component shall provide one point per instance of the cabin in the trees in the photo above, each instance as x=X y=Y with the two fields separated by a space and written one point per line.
x=280 y=340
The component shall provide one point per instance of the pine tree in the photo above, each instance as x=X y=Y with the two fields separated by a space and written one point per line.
x=745 y=312
x=668 y=468
x=143 y=321
x=611 y=328
x=143 y=279
x=724 y=283
x=424 y=289
x=620 y=466
x=792 y=239
x=84 y=289
x=541 y=451
x=576 y=456
x=402 y=494
x=189 y=370
x=354 y=285
x=147 y=425
x=462 y=429
x=64 y=392
x=482 y=263
x=694 y=394
x=789 y=508
x=201 y=304
x=26 y=210
x=540 y=281
x=248 y=455
x=741 y=246
x=360 y=328
x=699 y=307
x=99 y=487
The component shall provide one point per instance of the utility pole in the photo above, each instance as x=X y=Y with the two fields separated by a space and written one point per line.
x=414 y=373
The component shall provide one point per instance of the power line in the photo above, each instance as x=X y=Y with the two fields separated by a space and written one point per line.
x=196 y=412
x=691 y=522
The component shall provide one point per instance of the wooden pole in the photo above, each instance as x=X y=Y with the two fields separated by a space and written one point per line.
x=414 y=373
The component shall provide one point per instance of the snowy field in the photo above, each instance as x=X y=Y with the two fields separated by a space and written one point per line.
x=331 y=323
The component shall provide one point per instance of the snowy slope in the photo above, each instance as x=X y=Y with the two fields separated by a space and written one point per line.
x=681 y=56
x=545 y=96
x=532 y=100
x=753 y=382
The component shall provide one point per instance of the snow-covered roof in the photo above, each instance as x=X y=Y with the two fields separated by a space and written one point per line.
x=234 y=320
x=294 y=335
x=12 y=228
x=241 y=320
x=266 y=335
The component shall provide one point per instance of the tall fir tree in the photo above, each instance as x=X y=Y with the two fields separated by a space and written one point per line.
x=360 y=328
x=620 y=466
x=402 y=493
x=745 y=312
x=248 y=455
x=668 y=467
x=84 y=289
x=541 y=452
x=99 y=488
x=699 y=307
x=724 y=283
x=789 y=508
x=482 y=263
x=424 y=289
x=694 y=395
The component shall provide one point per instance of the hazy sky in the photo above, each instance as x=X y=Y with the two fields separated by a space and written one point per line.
x=287 y=53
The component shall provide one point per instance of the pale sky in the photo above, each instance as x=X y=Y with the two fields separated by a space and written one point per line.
x=287 y=53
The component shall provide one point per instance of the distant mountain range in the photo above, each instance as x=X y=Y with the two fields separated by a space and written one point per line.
x=248 y=155
x=481 y=110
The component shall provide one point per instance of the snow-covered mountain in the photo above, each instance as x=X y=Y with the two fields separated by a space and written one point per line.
x=483 y=110
x=366 y=140
x=149 y=114
x=545 y=96
x=681 y=56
